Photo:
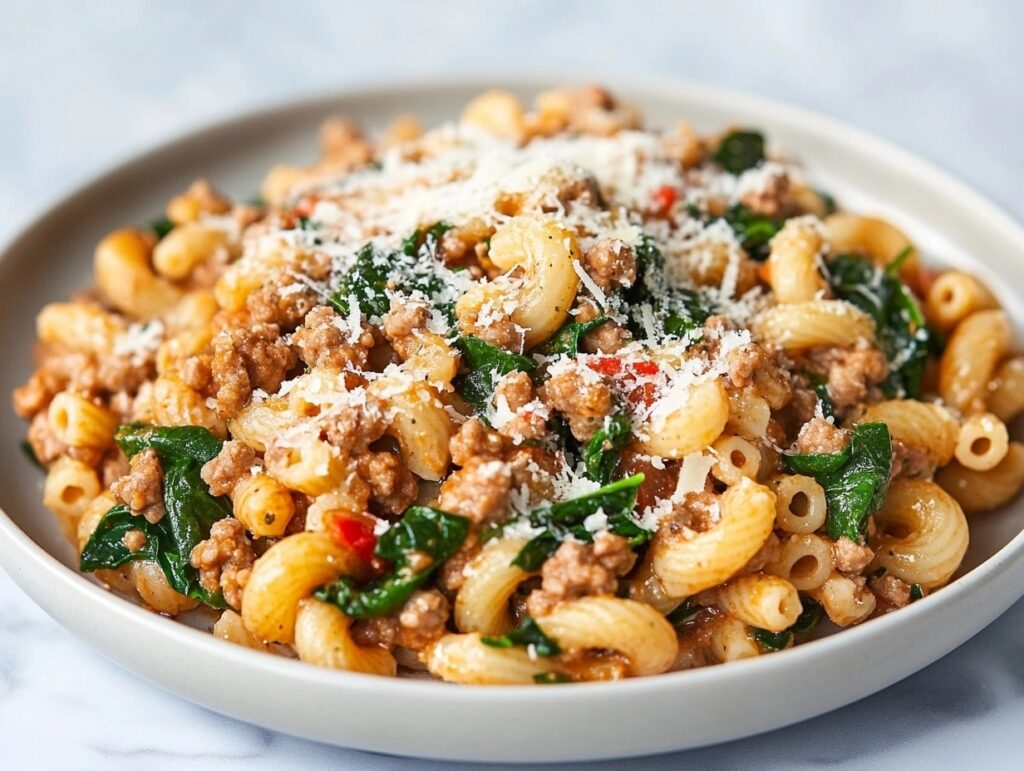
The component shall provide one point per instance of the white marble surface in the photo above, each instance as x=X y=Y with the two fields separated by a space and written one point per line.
x=85 y=83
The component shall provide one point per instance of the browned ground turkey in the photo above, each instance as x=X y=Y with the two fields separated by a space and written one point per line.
x=518 y=391
x=891 y=591
x=46 y=446
x=580 y=570
x=420 y=622
x=464 y=242
x=452 y=573
x=765 y=368
x=84 y=374
x=246 y=358
x=281 y=301
x=770 y=199
x=404 y=318
x=479 y=490
x=353 y=427
x=849 y=556
x=392 y=486
x=135 y=540
x=851 y=372
x=910 y=461
x=500 y=330
x=607 y=338
x=224 y=560
x=584 y=401
x=611 y=263
x=818 y=435
x=474 y=440
x=234 y=461
x=322 y=342
x=142 y=488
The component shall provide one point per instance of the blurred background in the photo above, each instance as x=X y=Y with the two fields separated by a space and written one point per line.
x=87 y=83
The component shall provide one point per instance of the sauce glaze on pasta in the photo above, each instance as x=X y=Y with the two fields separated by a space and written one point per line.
x=537 y=396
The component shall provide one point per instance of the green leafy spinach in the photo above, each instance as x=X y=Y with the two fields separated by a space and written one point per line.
x=855 y=480
x=28 y=452
x=486 y=363
x=424 y=534
x=527 y=633
x=560 y=520
x=601 y=454
x=903 y=333
x=411 y=269
x=551 y=678
x=740 y=150
x=161 y=227
x=753 y=230
x=190 y=509
x=567 y=339
x=682 y=613
x=804 y=624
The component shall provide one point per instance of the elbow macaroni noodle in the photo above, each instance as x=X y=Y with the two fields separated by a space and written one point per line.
x=523 y=400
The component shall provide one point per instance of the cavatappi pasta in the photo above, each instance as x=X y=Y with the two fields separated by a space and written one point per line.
x=537 y=396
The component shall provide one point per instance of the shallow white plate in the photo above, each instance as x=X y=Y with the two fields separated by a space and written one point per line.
x=950 y=224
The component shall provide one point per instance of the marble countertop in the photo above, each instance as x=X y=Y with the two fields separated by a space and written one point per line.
x=86 y=83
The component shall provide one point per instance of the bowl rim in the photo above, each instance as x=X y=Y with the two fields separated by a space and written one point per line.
x=16 y=543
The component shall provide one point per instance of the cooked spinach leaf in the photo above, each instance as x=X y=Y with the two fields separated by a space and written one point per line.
x=365 y=281
x=753 y=230
x=809 y=617
x=551 y=678
x=671 y=311
x=526 y=634
x=28 y=452
x=567 y=339
x=771 y=641
x=190 y=509
x=916 y=592
x=106 y=549
x=422 y=533
x=903 y=333
x=411 y=269
x=740 y=150
x=486 y=363
x=161 y=227
x=601 y=454
x=855 y=480
x=804 y=624
x=566 y=518
x=821 y=390
x=174 y=444
x=425 y=241
x=685 y=611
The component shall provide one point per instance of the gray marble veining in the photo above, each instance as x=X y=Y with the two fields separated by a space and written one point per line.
x=84 y=84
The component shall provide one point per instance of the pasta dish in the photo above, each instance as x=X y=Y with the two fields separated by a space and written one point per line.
x=541 y=395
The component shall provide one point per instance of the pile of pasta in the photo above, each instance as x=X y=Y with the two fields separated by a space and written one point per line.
x=538 y=396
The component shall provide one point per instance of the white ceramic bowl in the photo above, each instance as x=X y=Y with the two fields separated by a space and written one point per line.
x=950 y=224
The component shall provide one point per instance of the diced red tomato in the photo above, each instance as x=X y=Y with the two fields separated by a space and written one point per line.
x=663 y=199
x=636 y=392
x=354 y=534
x=642 y=393
x=605 y=365
x=646 y=368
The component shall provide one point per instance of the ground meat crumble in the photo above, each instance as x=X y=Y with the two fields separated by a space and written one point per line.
x=583 y=398
x=247 y=358
x=234 y=461
x=580 y=570
x=142 y=488
x=224 y=560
